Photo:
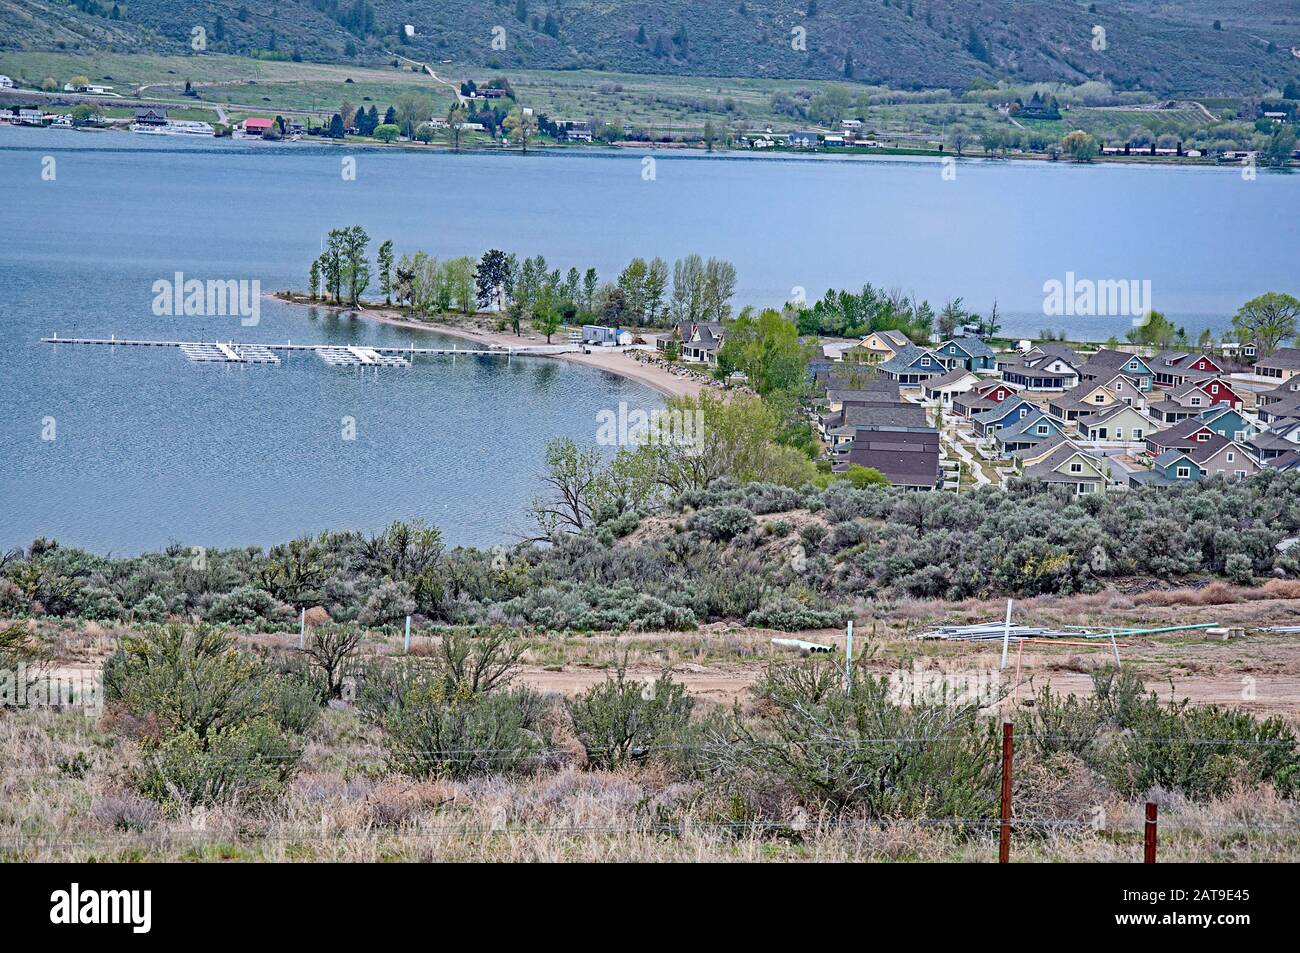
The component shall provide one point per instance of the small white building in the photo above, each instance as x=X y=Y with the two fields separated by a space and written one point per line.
x=6 y=82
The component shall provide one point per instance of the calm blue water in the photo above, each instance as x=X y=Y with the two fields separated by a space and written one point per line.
x=151 y=449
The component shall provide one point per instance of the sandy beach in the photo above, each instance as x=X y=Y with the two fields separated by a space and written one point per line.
x=615 y=361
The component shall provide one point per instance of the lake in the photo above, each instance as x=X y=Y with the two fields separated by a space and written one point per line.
x=150 y=449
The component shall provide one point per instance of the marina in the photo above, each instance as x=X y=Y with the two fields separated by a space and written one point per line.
x=235 y=352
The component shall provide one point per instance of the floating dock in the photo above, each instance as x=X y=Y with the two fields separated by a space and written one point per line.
x=335 y=355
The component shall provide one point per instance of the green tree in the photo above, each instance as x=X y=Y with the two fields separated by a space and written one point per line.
x=520 y=125
x=860 y=477
x=385 y=261
x=766 y=350
x=1267 y=320
x=632 y=283
x=492 y=279
x=1081 y=146
x=387 y=133
x=547 y=322
x=354 y=268
x=313 y=279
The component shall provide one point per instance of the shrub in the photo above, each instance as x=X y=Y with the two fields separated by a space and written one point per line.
x=621 y=721
x=1055 y=725
x=331 y=651
x=249 y=761
x=1239 y=568
x=622 y=525
x=245 y=605
x=788 y=615
x=857 y=750
x=391 y=602
x=454 y=716
x=150 y=609
x=721 y=523
x=1201 y=751
x=208 y=716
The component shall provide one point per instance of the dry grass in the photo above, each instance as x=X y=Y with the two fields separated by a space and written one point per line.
x=63 y=798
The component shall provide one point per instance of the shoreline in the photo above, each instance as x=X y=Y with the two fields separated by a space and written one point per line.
x=694 y=151
x=616 y=362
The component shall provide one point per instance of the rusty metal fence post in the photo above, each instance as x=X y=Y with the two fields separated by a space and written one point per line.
x=1004 y=835
x=1149 y=845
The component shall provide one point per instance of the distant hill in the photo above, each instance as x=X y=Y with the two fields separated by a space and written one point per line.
x=1193 y=47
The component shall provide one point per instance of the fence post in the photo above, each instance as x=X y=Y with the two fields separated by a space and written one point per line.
x=848 y=658
x=1006 y=636
x=302 y=627
x=406 y=642
x=1004 y=835
x=1149 y=853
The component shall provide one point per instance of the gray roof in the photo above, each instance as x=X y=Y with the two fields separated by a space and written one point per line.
x=907 y=458
x=1112 y=360
x=972 y=346
x=1021 y=427
x=1005 y=407
x=1063 y=351
x=952 y=377
x=903 y=358
x=1105 y=413
x=1284 y=357
x=879 y=414
x=1045 y=469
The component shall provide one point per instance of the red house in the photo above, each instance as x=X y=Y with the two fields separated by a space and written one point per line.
x=1220 y=393
x=257 y=127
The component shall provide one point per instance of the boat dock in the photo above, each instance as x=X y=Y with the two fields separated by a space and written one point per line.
x=335 y=355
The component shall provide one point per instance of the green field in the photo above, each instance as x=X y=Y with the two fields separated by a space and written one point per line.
x=659 y=106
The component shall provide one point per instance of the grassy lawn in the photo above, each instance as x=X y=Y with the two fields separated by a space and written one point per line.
x=671 y=105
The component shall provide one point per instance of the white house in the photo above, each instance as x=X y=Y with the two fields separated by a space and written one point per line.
x=6 y=82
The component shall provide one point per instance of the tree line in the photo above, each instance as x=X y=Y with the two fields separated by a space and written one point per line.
x=645 y=293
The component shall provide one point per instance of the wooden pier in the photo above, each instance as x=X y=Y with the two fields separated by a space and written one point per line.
x=335 y=355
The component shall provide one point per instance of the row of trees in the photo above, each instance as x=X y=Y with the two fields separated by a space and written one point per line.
x=1267 y=321
x=845 y=314
x=525 y=288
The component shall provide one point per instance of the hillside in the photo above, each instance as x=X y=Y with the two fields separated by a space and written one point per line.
x=1187 y=48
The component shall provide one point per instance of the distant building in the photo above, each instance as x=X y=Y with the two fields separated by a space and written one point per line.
x=151 y=117
x=6 y=82
x=602 y=336
x=254 y=126
x=577 y=131
x=803 y=140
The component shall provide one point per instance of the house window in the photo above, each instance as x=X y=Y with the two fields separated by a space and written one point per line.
x=1202 y=437
x=1196 y=402
x=1214 y=388
x=1137 y=433
x=1232 y=457
x=1099 y=399
x=925 y=362
x=1119 y=433
x=1241 y=474
x=1076 y=467
x=1042 y=430
x=1184 y=472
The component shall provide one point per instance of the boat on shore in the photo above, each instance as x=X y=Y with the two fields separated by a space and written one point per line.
x=174 y=127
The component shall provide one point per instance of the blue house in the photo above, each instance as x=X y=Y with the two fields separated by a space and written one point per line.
x=1229 y=422
x=1105 y=364
x=1028 y=432
x=912 y=366
x=970 y=353
x=1006 y=414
